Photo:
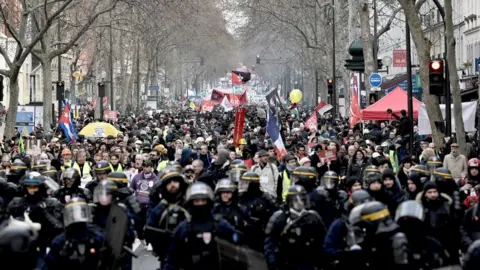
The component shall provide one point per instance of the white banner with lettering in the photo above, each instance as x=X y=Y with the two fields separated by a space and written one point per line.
x=469 y=110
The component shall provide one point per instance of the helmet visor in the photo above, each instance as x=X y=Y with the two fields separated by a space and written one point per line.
x=102 y=195
x=236 y=174
x=410 y=209
x=299 y=202
x=76 y=212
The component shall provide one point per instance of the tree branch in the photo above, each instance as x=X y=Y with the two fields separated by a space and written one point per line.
x=305 y=37
x=80 y=33
x=44 y=29
x=388 y=25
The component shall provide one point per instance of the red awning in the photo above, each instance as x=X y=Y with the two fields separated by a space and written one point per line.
x=396 y=101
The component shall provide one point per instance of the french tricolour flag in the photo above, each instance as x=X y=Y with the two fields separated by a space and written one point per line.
x=66 y=124
x=274 y=132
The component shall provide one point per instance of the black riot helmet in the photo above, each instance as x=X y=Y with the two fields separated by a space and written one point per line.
x=369 y=215
x=119 y=178
x=247 y=180
x=70 y=178
x=360 y=196
x=237 y=162
x=433 y=163
x=419 y=174
x=199 y=191
x=408 y=211
x=51 y=173
x=369 y=169
x=297 y=199
x=304 y=176
x=76 y=211
x=225 y=185
x=170 y=174
x=41 y=166
x=421 y=169
x=18 y=168
x=371 y=178
x=102 y=168
x=236 y=172
x=104 y=192
x=330 y=180
x=442 y=174
x=33 y=183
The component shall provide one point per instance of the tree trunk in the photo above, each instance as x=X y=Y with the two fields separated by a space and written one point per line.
x=123 y=71
x=367 y=47
x=47 y=93
x=453 y=76
x=13 y=104
x=422 y=45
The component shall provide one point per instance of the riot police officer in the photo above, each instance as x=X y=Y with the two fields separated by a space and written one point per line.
x=236 y=172
x=104 y=197
x=335 y=244
x=102 y=169
x=445 y=183
x=18 y=246
x=80 y=246
x=70 y=181
x=424 y=252
x=226 y=204
x=260 y=206
x=375 y=239
x=194 y=244
x=40 y=209
x=328 y=200
x=155 y=195
x=17 y=171
x=124 y=194
x=294 y=235
x=168 y=214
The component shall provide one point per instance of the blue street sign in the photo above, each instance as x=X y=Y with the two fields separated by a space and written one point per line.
x=375 y=80
x=154 y=87
x=477 y=62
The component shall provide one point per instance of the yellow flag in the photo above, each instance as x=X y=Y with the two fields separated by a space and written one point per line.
x=192 y=105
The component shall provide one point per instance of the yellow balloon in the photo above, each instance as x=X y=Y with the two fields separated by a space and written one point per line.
x=296 y=96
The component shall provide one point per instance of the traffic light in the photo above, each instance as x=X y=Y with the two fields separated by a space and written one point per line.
x=60 y=90
x=202 y=61
x=330 y=86
x=1 y=88
x=258 y=59
x=436 y=76
x=101 y=89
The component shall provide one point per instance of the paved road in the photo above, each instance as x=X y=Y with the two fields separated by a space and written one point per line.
x=145 y=260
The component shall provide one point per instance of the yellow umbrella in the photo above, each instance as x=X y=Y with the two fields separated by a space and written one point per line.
x=99 y=130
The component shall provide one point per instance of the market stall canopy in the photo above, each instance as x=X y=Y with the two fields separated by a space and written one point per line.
x=99 y=130
x=396 y=101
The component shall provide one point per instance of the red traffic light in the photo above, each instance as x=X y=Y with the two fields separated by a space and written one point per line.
x=329 y=81
x=436 y=65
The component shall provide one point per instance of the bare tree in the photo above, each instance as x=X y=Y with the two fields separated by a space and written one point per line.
x=423 y=45
x=16 y=23
x=453 y=76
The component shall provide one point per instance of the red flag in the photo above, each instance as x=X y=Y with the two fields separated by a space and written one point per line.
x=355 y=112
x=217 y=96
x=243 y=98
x=236 y=79
x=323 y=107
x=312 y=121
x=239 y=123
x=207 y=106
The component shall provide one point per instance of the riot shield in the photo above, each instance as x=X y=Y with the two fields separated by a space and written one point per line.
x=115 y=231
x=235 y=257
